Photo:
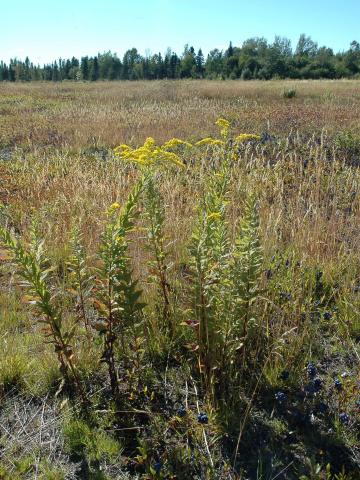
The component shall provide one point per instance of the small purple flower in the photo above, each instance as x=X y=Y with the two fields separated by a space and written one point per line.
x=157 y=466
x=337 y=384
x=344 y=418
x=311 y=370
x=181 y=412
x=284 y=375
x=280 y=397
x=285 y=296
x=317 y=384
x=203 y=418
x=327 y=316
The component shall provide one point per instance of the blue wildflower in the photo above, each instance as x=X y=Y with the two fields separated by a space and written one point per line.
x=181 y=412
x=311 y=370
x=203 y=418
x=284 y=375
x=344 y=418
x=280 y=397
x=285 y=296
x=157 y=466
x=338 y=384
x=317 y=384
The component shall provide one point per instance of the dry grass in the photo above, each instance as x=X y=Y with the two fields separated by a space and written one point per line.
x=309 y=204
x=313 y=211
x=77 y=115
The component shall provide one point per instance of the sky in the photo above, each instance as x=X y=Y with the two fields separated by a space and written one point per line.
x=46 y=30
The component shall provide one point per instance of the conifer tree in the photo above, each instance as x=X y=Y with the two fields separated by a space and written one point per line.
x=94 y=70
x=85 y=68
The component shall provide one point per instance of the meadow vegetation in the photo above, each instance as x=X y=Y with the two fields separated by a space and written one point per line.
x=180 y=280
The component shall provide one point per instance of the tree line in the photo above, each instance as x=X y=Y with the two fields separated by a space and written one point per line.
x=256 y=58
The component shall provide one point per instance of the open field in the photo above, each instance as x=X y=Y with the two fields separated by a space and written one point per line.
x=75 y=115
x=239 y=358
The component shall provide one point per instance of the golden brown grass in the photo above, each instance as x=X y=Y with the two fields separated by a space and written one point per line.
x=75 y=115
x=70 y=184
x=66 y=183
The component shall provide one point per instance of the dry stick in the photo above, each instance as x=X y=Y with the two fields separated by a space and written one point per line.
x=32 y=436
x=247 y=411
x=187 y=407
x=38 y=457
x=82 y=305
x=203 y=429
x=283 y=470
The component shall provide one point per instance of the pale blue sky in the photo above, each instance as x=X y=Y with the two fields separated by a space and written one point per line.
x=46 y=29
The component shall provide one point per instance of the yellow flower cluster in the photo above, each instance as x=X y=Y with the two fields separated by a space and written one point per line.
x=224 y=126
x=113 y=208
x=214 y=216
x=210 y=141
x=175 y=142
x=150 y=153
x=243 y=137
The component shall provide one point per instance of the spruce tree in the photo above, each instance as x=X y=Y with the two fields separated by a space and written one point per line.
x=85 y=68
x=94 y=69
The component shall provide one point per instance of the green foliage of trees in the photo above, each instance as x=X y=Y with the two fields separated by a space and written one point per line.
x=256 y=58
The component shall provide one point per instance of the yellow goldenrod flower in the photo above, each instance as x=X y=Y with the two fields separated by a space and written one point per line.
x=174 y=142
x=164 y=156
x=150 y=153
x=243 y=137
x=214 y=216
x=115 y=206
x=149 y=143
x=122 y=149
x=224 y=125
x=209 y=141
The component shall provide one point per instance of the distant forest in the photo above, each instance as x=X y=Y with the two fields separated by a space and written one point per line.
x=255 y=59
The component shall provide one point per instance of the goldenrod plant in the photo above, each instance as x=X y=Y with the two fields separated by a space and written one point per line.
x=33 y=268
x=116 y=296
x=210 y=255
x=158 y=264
x=81 y=280
x=151 y=154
